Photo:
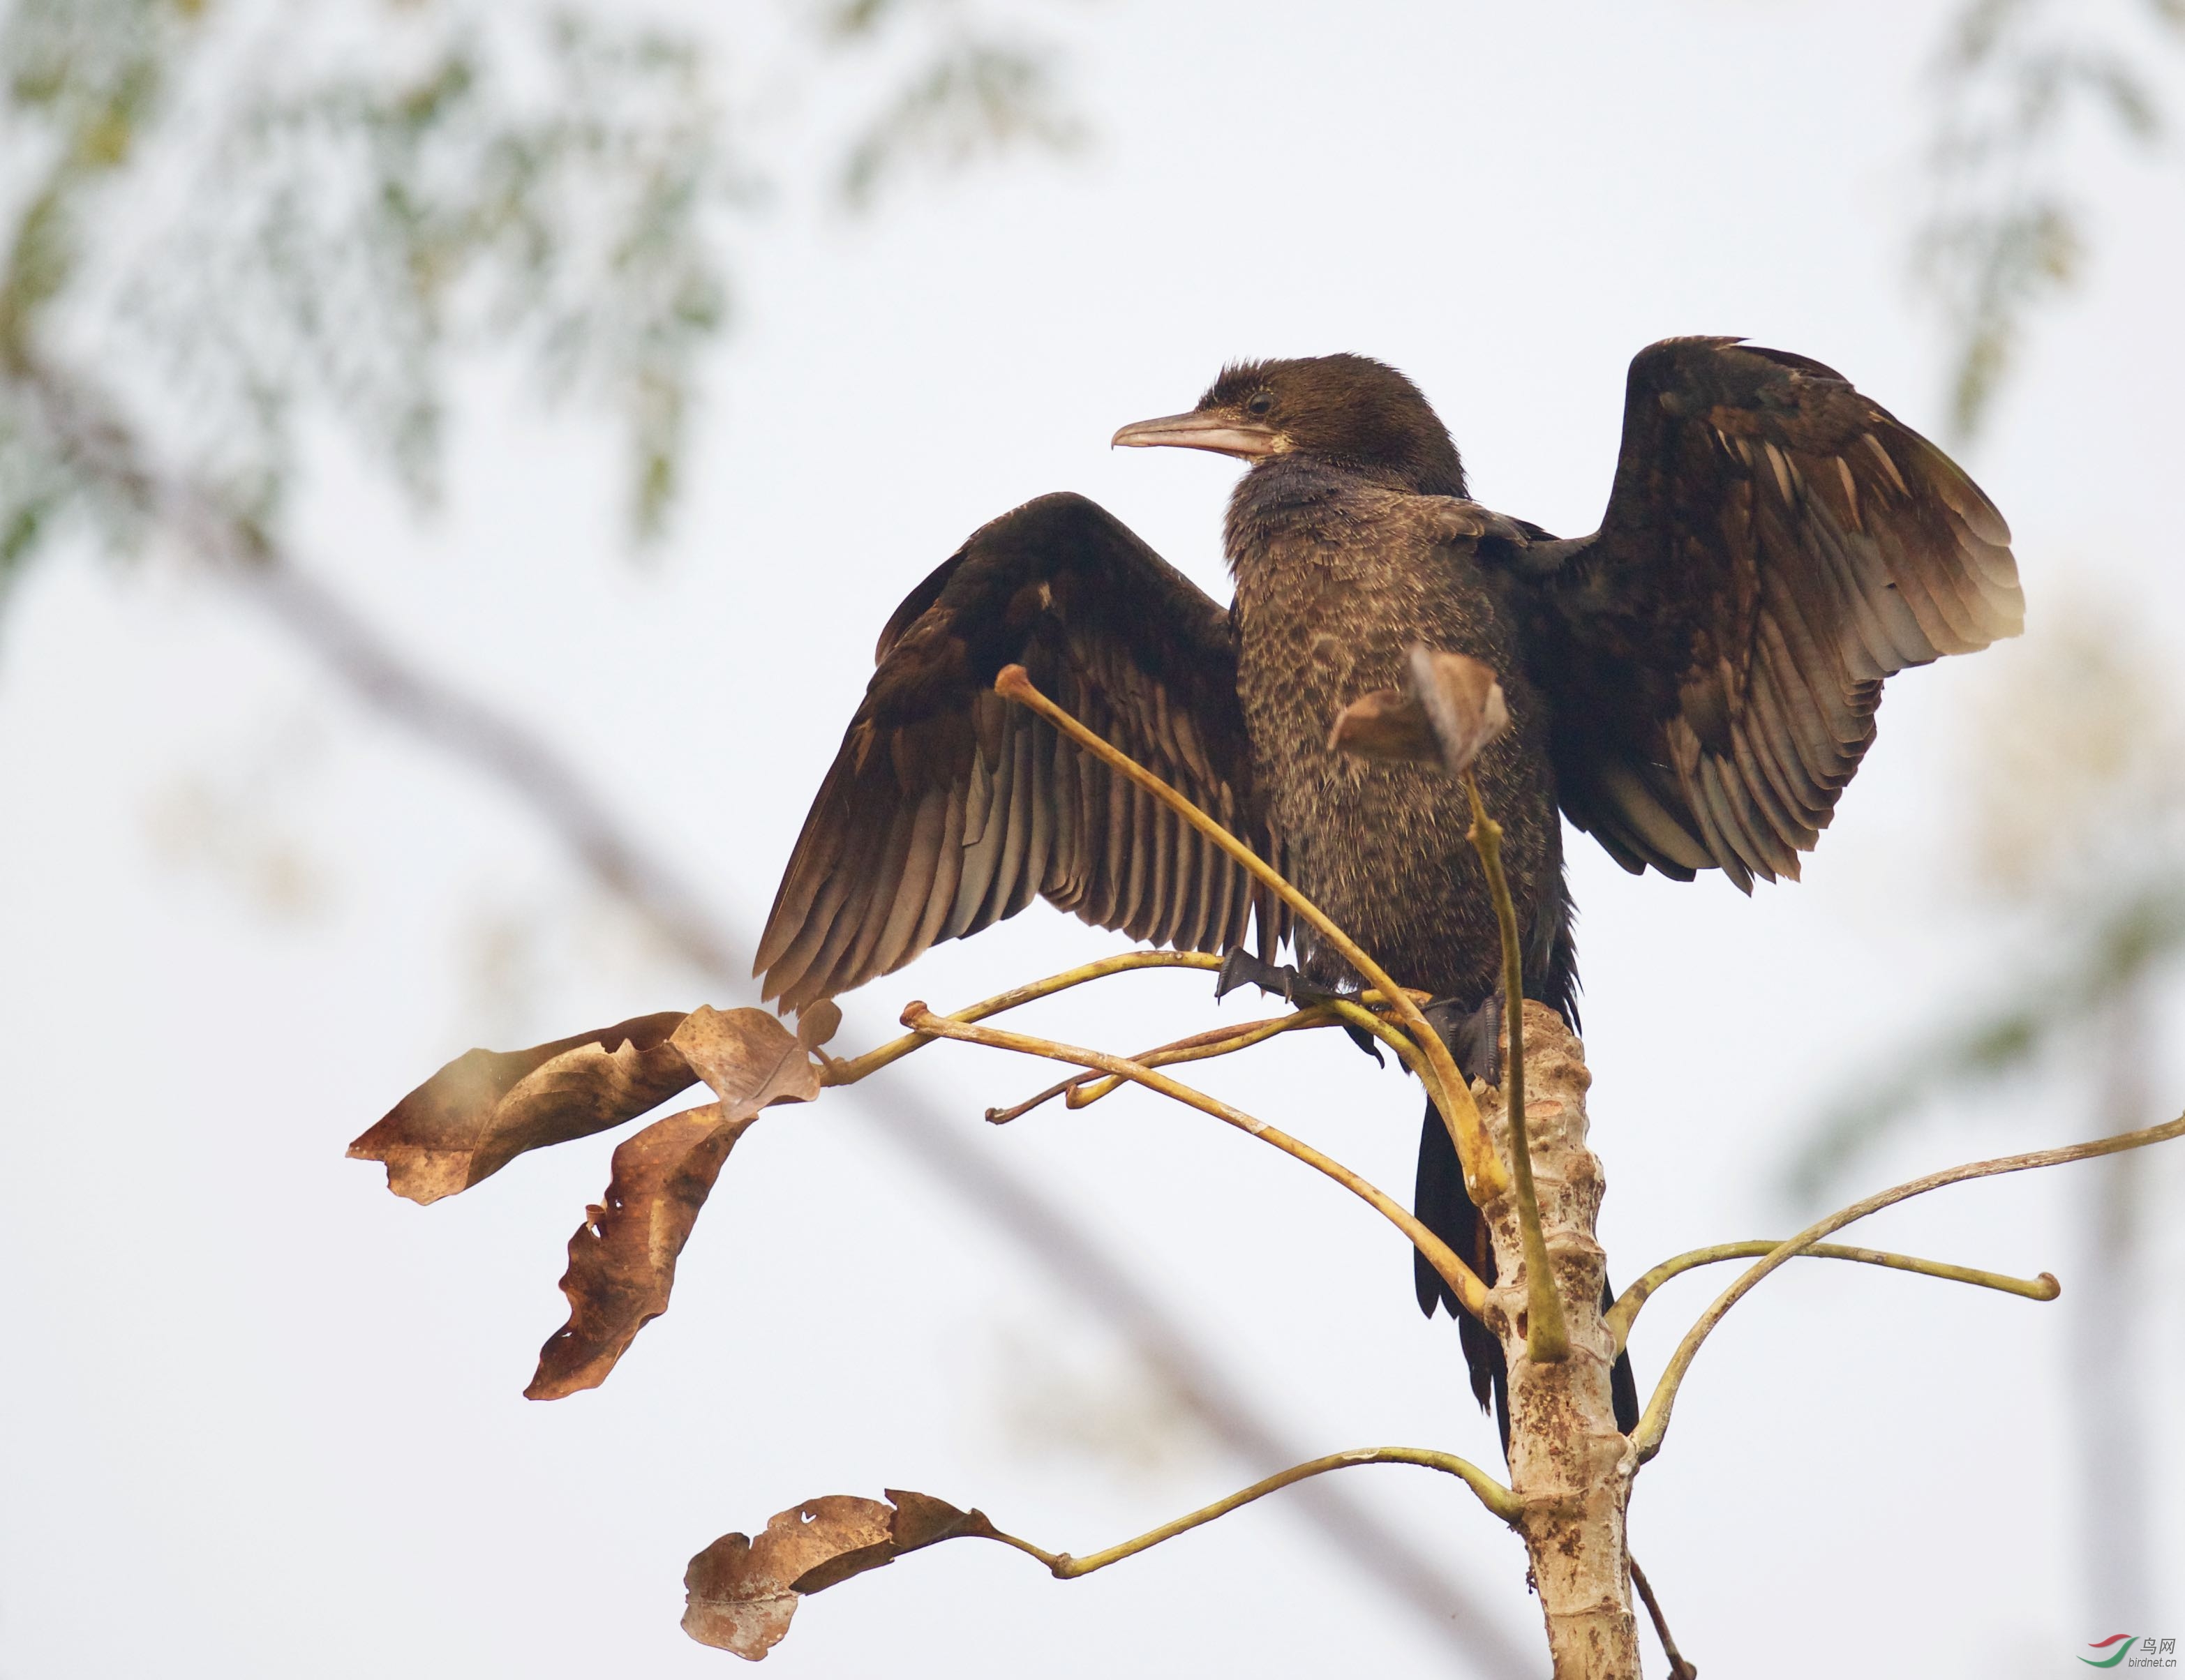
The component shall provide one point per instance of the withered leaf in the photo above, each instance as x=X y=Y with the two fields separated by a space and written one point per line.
x=748 y=1056
x=817 y=1022
x=742 y=1592
x=622 y=1258
x=1450 y=709
x=485 y=1108
x=1463 y=702
x=1387 y=723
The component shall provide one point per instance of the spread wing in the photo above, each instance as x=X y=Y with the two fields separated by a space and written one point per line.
x=1775 y=546
x=947 y=808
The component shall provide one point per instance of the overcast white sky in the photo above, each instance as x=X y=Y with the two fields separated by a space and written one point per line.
x=260 y=1419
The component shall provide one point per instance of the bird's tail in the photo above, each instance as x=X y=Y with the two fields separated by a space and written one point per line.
x=1444 y=1208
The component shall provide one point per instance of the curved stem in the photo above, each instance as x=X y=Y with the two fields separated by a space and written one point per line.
x=1656 y=1422
x=1492 y=1494
x=1678 y=1668
x=1547 y=1338
x=850 y=1070
x=1082 y=1091
x=1619 y=1317
x=1483 y=1174
x=1459 y=1277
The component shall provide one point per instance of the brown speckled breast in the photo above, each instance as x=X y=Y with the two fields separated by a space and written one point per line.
x=1337 y=576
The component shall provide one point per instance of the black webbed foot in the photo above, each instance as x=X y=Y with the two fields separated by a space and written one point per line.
x=1475 y=1035
x=1241 y=968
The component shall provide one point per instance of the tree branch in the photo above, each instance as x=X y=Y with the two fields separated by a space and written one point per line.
x=1459 y=1277
x=1547 y=1336
x=849 y=1071
x=1656 y=1422
x=1626 y=1309
x=1678 y=1668
x=1498 y=1499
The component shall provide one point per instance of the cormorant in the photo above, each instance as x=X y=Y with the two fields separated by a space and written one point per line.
x=1693 y=684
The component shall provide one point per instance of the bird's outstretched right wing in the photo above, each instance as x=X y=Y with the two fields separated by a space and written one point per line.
x=947 y=807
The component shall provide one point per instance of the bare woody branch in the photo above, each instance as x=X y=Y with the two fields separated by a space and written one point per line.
x=1459 y=1277
x=1499 y=1500
x=1547 y=1335
x=1083 y=1089
x=1678 y=1668
x=851 y=1070
x=1621 y=1316
x=1655 y=1421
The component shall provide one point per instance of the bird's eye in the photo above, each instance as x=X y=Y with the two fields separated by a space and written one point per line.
x=1260 y=404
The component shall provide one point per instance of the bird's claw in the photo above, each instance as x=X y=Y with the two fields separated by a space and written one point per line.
x=1241 y=968
x=1473 y=1035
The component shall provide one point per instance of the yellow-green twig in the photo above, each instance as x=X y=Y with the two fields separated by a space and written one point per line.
x=1619 y=1317
x=849 y=1070
x=1082 y=1091
x=1492 y=1494
x=1459 y=1277
x=1656 y=1422
x=1547 y=1338
x=1483 y=1173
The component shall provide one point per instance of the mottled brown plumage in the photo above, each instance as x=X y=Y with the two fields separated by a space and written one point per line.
x=1694 y=684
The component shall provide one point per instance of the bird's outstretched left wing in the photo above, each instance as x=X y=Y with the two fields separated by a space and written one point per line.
x=947 y=808
x=1775 y=546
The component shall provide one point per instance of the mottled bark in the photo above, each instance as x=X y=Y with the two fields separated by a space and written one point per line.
x=1569 y=1464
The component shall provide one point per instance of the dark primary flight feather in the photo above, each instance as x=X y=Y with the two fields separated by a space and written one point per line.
x=947 y=808
x=1775 y=546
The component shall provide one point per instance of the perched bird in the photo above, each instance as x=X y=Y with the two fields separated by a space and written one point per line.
x=1693 y=684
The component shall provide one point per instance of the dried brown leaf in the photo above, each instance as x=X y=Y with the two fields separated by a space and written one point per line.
x=817 y=1024
x=1463 y=702
x=487 y=1106
x=749 y=1058
x=742 y=1592
x=621 y=1259
x=1448 y=712
x=1387 y=723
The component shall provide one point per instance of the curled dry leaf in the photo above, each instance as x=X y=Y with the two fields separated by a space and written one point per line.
x=817 y=1022
x=1387 y=723
x=1448 y=712
x=1463 y=702
x=486 y=1107
x=622 y=1258
x=742 y=1592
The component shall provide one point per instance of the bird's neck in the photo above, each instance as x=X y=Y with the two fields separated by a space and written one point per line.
x=1296 y=495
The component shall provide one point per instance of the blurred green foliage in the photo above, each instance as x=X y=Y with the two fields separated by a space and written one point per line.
x=246 y=216
x=2022 y=86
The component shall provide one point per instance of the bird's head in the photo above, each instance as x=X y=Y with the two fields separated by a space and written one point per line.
x=1348 y=410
